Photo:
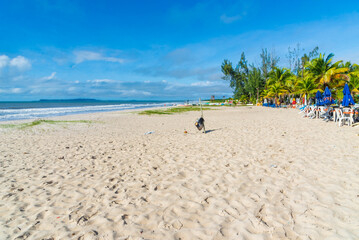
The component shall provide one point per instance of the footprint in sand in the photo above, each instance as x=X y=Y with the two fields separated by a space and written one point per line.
x=92 y=235
x=83 y=220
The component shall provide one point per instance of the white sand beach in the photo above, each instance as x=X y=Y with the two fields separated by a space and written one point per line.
x=258 y=173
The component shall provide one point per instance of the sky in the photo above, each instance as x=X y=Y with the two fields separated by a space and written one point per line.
x=157 y=50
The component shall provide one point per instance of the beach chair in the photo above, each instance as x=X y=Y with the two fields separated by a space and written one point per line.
x=335 y=115
x=344 y=116
x=320 y=112
x=349 y=113
x=356 y=114
x=324 y=112
x=311 y=112
x=302 y=109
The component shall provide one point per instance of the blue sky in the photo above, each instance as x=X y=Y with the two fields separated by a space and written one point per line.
x=156 y=50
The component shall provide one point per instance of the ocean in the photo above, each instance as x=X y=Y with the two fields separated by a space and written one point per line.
x=50 y=108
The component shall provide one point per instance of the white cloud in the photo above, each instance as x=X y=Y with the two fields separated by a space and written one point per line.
x=35 y=91
x=101 y=81
x=11 y=90
x=81 y=56
x=134 y=93
x=18 y=78
x=52 y=76
x=20 y=62
x=207 y=83
x=72 y=89
x=4 y=61
x=229 y=19
x=16 y=90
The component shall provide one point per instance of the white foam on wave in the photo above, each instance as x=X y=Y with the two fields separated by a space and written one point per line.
x=31 y=113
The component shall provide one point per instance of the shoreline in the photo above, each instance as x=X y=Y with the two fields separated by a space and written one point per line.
x=81 y=115
x=34 y=112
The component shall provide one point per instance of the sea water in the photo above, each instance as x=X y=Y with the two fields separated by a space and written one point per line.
x=50 y=108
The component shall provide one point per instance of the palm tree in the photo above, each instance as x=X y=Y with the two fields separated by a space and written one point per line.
x=307 y=86
x=351 y=67
x=290 y=85
x=354 y=83
x=275 y=90
x=325 y=72
x=279 y=75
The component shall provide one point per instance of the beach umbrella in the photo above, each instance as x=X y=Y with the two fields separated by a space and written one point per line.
x=319 y=98
x=327 y=96
x=347 y=99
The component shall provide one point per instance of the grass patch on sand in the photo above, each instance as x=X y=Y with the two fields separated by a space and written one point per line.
x=170 y=111
x=38 y=122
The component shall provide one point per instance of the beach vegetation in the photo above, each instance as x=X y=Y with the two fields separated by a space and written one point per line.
x=306 y=73
x=269 y=60
x=256 y=82
x=173 y=110
x=325 y=72
x=38 y=122
x=307 y=86
x=275 y=90
x=354 y=83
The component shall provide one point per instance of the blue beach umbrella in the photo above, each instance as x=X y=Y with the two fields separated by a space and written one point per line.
x=347 y=99
x=327 y=96
x=319 y=98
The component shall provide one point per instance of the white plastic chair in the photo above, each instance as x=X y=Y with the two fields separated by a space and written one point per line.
x=335 y=115
x=324 y=112
x=303 y=109
x=321 y=111
x=342 y=118
x=312 y=113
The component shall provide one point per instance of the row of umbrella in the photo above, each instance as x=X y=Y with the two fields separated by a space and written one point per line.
x=326 y=98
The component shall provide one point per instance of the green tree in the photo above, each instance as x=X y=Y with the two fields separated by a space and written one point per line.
x=255 y=83
x=352 y=68
x=354 y=84
x=306 y=58
x=268 y=62
x=279 y=75
x=325 y=72
x=353 y=77
x=291 y=85
x=294 y=59
x=236 y=76
x=307 y=74
x=297 y=63
x=275 y=90
x=307 y=86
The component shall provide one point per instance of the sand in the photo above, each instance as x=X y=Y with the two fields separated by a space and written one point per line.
x=258 y=173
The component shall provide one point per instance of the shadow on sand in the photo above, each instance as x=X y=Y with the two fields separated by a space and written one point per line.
x=212 y=130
